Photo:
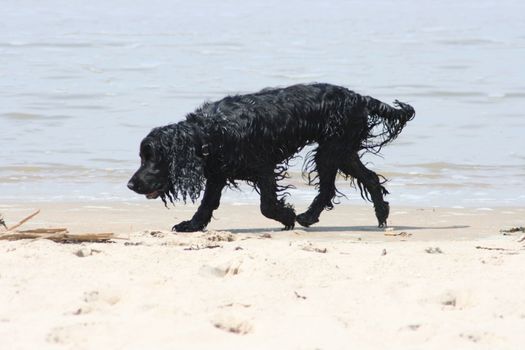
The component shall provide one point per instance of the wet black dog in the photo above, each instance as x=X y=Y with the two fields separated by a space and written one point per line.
x=252 y=137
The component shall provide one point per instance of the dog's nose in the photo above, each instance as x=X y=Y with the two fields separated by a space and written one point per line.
x=131 y=185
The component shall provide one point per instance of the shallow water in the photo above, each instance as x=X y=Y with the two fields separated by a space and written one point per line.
x=82 y=82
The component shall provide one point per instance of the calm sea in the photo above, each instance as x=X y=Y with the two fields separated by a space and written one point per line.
x=81 y=82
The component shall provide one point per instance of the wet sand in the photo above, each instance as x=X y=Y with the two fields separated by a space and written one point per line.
x=451 y=280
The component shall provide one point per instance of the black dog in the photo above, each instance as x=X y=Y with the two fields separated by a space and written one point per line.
x=252 y=137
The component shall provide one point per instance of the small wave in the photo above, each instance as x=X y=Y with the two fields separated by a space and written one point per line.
x=132 y=126
x=69 y=96
x=113 y=161
x=21 y=116
x=515 y=94
x=450 y=185
x=139 y=68
x=29 y=45
x=63 y=77
x=90 y=107
x=406 y=86
x=215 y=46
x=448 y=93
x=467 y=41
x=297 y=76
x=438 y=166
x=56 y=172
x=455 y=66
x=477 y=95
x=21 y=44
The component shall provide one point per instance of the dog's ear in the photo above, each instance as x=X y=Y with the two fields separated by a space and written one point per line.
x=186 y=169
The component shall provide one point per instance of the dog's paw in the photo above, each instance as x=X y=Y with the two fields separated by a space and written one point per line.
x=288 y=227
x=305 y=220
x=187 y=226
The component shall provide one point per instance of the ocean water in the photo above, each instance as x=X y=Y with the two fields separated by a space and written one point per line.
x=81 y=83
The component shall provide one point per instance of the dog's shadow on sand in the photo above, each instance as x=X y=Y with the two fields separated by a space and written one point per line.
x=348 y=229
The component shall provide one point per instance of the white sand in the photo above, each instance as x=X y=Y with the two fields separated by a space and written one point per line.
x=264 y=291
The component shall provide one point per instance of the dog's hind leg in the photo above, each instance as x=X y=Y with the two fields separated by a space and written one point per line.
x=326 y=171
x=273 y=207
x=370 y=180
x=210 y=202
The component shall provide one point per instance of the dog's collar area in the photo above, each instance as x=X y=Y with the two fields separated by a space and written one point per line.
x=202 y=148
x=205 y=150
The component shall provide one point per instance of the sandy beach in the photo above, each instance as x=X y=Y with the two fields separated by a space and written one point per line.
x=437 y=277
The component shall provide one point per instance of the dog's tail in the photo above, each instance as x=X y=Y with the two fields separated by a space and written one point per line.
x=385 y=122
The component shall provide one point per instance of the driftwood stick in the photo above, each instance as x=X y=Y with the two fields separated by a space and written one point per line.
x=23 y=221
x=401 y=234
x=491 y=248
x=59 y=236
x=86 y=237
x=56 y=234
x=45 y=230
x=14 y=235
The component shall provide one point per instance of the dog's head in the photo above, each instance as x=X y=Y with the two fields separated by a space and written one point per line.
x=169 y=166
x=151 y=179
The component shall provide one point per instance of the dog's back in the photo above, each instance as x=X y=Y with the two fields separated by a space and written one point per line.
x=278 y=122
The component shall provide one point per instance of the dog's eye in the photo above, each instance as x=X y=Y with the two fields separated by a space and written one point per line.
x=147 y=153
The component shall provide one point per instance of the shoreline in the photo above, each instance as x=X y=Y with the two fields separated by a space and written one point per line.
x=409 y=188
x=129 y=216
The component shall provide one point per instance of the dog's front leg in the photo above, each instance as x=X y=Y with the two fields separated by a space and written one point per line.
x=271 y=206
x=210 y=202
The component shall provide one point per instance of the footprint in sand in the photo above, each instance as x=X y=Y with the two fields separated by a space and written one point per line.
x=59 y=335
x=223 y=269
x=479 y=337
x=309 y=247
x=233 y=324
x=456 y=300
x=95 y=300
x=219 y=236
x=72 y=334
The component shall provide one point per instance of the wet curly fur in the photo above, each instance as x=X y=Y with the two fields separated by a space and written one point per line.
x=252 y=137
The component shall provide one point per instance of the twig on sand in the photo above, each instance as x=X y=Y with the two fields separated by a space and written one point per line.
x=311 y=248
x=397 y=234
x=299 y=296
x=58 y=236
x=45 y=230
x=512 y=230
x=491 y=248
x=205 y=246
x=20 y=223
